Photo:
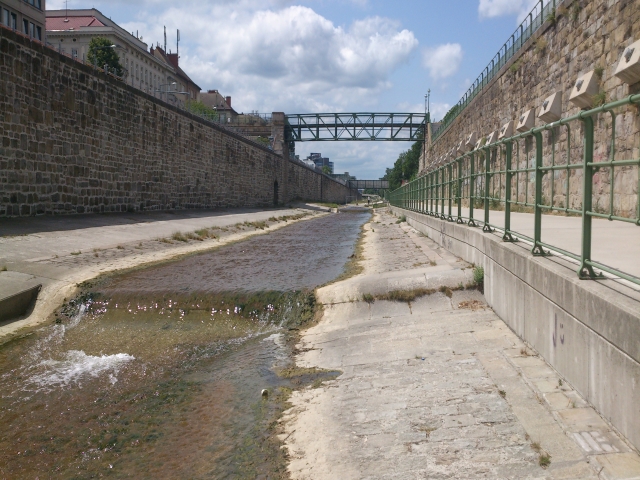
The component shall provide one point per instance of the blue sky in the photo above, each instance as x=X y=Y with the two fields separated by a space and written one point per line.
x=328 y=55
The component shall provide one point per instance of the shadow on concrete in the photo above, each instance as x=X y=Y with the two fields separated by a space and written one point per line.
x=10 y=227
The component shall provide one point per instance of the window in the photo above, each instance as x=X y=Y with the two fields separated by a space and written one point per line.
x=32 y=30
x=39 y=33
x=25 y=27
x=74 y=53
x=13 y=23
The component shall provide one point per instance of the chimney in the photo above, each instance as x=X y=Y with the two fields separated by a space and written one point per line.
x=228 y=100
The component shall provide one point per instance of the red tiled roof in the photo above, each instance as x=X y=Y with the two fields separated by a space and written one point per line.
x=73 y=23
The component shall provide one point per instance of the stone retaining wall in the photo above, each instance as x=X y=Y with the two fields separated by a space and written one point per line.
x=75 y=140
x=583 y=36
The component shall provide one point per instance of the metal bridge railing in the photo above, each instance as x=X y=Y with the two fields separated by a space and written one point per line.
x=541 y=11
x=526 y=173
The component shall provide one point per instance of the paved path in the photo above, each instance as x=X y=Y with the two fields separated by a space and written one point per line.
x=614 y=243
x=60 y=252
x=438 y=388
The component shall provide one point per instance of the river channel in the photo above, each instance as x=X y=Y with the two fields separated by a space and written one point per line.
x=159 y=372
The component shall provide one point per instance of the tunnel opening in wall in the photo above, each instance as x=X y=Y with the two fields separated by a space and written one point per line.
x=275 y=193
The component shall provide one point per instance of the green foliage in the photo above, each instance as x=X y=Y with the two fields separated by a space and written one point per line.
x=598 y=72
x=326 y=169
x=451 y=114
x=199 y=108
x=575 y=11
x=102 y=52
x=263 y=140
x=552 y=16
x=478 y=275
x=515 y=66
x=405 y=167
x=600 y=98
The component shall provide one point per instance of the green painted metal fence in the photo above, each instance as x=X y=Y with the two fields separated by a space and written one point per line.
x=510 y=175
x=542 y=11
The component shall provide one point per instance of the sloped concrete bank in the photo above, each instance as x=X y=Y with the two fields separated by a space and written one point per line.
x=588 y=331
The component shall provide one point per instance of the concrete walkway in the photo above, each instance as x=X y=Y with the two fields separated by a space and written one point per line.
x=61 y=252
x=614 y=243
x=436 y=388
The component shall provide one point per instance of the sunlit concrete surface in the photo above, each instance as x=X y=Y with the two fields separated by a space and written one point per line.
x=436 y=388
x=614 y=243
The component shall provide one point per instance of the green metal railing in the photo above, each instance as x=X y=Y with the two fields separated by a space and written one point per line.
x=514 y=173
x=542 y=10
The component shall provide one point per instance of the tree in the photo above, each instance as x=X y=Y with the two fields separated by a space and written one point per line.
x=102 y=52
x=199 y=108
x=326 y=169
x=406 y=166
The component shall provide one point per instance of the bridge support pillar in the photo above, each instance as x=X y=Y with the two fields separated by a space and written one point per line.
x=281 y=147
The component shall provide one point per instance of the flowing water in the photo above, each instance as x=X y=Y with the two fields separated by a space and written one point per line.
x=158 y=373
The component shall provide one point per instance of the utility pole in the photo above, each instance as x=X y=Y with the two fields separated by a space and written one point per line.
x=427 y=127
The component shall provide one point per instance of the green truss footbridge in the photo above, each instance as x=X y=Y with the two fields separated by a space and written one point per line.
x=332 y=127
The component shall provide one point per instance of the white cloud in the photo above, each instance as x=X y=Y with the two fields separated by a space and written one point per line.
x=290 y=58
x=365 y=160
x=439 y=110
x=442 y=61
x=499 y=8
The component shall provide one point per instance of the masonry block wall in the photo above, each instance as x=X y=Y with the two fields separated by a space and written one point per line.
x=584 y=35
x=75 y=140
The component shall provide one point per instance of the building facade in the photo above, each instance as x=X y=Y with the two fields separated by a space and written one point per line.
x=320 y=161
x=24 y=16
x=70 y=31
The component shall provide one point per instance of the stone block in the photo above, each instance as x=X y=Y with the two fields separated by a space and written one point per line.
x=628 y=69
x=470 y=141
x=585 y=88
x=492 y=137
x=526 y=121
x=506 y=131
x=551 y=109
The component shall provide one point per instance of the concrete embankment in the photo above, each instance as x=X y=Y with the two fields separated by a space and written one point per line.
x=589 y=331
x=435 y=386
x=61 y=252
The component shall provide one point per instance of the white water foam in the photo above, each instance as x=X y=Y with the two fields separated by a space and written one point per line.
x=76 y=366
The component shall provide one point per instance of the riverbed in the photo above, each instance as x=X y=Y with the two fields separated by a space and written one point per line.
x=159 y=372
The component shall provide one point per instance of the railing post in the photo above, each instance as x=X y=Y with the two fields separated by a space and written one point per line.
x=537 y=209
x=487 y=178
x=459 y=192
x=434 y=200
x=431 y=193
x=472 y=190
x=586 y=270
x=507 y=237
x=442 y=191
x=450 y=172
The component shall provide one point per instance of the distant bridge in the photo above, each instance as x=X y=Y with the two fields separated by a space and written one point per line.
x=369 y=184
x=332 y=127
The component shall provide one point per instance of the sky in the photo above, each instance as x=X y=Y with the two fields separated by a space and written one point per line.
x=325 y=56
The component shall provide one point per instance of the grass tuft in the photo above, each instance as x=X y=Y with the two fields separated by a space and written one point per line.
x=544 y=460
x=367 y=297
x=179 y=237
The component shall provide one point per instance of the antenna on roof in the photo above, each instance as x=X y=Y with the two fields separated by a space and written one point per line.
x=178 y=44
x=66 y=10
x=165 y=39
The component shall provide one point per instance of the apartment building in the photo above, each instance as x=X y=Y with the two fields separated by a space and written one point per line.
x=24 y=16
x=70 y=31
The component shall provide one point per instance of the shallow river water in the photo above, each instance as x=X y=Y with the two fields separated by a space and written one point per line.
x=158 y=372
